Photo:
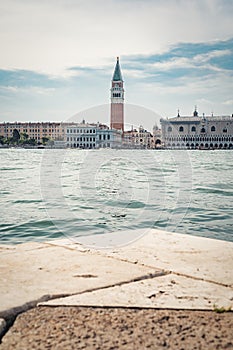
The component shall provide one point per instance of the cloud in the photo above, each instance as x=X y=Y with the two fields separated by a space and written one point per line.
x=27 y=78
x=51 y=36
x=27 y=90
x=204 y=101
x=212 y=54
x=184 y=64
x=228 y=103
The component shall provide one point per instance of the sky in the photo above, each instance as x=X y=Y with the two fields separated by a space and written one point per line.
x=58 y=56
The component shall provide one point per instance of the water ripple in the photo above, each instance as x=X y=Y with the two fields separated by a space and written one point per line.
x=106 y=190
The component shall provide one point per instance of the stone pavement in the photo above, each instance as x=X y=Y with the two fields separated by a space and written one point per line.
x=196 y=273
x=160 y=270
x=32 y=270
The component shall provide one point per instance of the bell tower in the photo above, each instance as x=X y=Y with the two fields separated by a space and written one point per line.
x=117 y=99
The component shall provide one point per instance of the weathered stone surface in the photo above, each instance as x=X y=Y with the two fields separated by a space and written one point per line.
x=200 y=257
x=170 y=291
x=199 y=266
x=31 y=270
x=65 y=328
x=204 y=258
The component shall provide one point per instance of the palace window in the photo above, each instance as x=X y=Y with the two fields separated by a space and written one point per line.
x=202 y=129
x=224 y=130
x=169 y=129
x=213 y=128
x=193 y=129
x=181 y=129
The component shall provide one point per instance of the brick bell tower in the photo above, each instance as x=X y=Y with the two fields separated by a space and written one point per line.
x=117 y=99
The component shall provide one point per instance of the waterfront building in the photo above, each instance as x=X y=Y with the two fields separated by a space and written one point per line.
x=139 y=139
x=81 y=135
x=157 y=136
x=117 y=99
x=91 y=136
x=34 y=130
x=198 y=132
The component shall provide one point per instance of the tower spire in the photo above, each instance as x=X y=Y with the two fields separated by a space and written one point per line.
x=117 y=76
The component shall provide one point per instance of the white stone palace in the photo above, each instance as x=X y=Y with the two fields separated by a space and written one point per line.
x=197 y=132
x=91 y=136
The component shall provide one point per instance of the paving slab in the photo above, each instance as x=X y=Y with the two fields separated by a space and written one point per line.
x=200 y=257
x=170 y=291
x=200 y=273
x=204 y=258
x=32 y=270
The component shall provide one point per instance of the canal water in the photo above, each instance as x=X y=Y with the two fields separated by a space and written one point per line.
x=48 y=194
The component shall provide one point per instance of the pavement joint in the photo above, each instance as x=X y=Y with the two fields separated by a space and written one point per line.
x=118 y=284
x=79 y=247
x=172 y=272
x=201 y=279
x=10 y=315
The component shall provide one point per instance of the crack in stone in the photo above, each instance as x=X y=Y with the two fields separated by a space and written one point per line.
x=201 y=279
x=174 y=272
x=10 y=315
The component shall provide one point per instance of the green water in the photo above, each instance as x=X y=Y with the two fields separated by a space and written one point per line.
x=46 y=194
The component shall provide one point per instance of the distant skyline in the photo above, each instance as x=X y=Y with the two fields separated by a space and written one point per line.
x=57 y=57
